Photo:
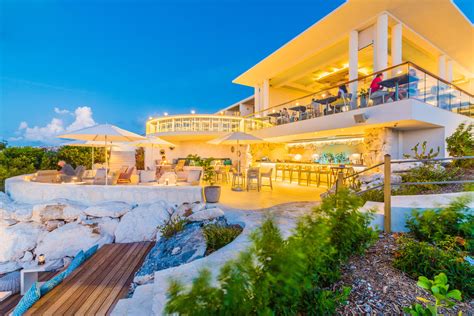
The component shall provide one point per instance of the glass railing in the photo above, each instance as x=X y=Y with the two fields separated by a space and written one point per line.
x=203 y=123
x=404 y=81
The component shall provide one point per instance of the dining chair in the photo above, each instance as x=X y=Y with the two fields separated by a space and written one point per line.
x=324 y=171
x=295 y=169
x=279 y=168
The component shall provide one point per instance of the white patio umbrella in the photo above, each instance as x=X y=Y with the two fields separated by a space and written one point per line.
x=152 y=141
x=87 y=143
x=237 y=138
x=103 y=133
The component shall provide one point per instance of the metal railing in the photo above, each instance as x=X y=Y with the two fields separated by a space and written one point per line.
x=408 y=81
x=203 y=123
x=387 y=184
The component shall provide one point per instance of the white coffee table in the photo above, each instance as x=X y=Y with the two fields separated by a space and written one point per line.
x=29 y=276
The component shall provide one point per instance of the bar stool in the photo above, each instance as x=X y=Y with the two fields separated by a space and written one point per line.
x=295 y=169
x=304 y=172
x=268 y=175
x=313 y=170
x=334 y=174
x=349 y=172
x=279 y=167
x=238 y=180
x=223 y=173
x=286 y=170
x=325 y=171
x=253 y=174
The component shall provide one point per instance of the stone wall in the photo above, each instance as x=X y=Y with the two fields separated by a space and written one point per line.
x=377 y=143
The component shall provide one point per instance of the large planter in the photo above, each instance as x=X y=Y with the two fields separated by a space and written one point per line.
x=212 y=193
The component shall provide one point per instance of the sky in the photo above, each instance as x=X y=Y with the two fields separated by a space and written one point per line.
x=69 y=64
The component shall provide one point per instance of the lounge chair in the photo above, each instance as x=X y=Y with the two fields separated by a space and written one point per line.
x=125 y=177
x=46 y=176
x=99 y=178
x=77 y=177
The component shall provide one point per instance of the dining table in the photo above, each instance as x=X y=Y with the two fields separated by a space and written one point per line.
x=397 y=81
x=275 y=115
x=299 y=108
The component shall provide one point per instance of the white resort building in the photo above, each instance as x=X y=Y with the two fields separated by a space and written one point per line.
x=315 y=99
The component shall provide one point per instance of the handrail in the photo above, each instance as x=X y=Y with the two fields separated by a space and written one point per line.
x=365 y=170
x=432 y=159
x=363 y=78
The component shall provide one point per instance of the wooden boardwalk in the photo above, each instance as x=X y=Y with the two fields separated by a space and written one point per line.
x=95 y=287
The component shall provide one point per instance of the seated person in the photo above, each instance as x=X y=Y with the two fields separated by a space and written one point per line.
x=294 y=117
x=67 y=172
x=66 y=169
x=376 y=90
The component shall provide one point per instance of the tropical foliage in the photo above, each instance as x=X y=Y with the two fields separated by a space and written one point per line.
x=278 y=276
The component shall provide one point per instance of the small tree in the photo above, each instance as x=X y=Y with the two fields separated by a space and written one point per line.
x=423 y=154
x=461 y=143
x=209 y=171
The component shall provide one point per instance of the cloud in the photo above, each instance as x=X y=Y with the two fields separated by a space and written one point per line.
x=83 y=117
x=59 y=111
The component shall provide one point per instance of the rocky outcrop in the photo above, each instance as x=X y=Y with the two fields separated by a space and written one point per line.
x=147 y=217
x=206 y=214
x=15 y=240
x=108 y=209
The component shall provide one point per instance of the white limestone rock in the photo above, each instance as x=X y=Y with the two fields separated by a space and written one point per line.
x=206 y=214
x=181 y=211
x=402 y=167
x=52 y=225
x=21 y=212
x=66 y=241
x=5 y=206
x=105 y=225
x=9 y=267
x=108 y=209
x=16 y=239
x=7 y=222
x=27 y=257
x=198 y=206
x=60 y=209
x=141 y=224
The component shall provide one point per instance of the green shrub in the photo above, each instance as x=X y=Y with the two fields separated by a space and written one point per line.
x=421 y=258
x=423 y=153
x=172 y=227
x=217 y=236
x=439 y=289
x=426 y=173
x=348 y=228
x=461 y=143
x=283 y=277
x=436 y=225
x=374 y=195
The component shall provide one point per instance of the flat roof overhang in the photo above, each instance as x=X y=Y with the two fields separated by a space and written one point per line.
x=443 y=25
x=401 y=115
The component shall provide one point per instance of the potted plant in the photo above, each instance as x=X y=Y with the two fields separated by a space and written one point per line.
x=212 y=192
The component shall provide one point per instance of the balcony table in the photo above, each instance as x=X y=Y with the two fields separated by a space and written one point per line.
x=299 y=108
x=276 y=115
x=397 y=81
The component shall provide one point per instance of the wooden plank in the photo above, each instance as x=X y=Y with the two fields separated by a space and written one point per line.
x=103 y=287
x=71 y=306
x=50 y=297
x=62 y=291
x=117 y=283
x=125 y=288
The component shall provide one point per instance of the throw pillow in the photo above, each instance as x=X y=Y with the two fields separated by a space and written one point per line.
x=28 y=300
x=76 y=262
x=51 y=284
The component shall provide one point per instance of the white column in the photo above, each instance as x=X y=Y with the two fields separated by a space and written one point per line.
x=442 y=66
x=449 y=71
x=397 y=44
x=257 y=99
x=353 y=61
x=381 y=43
x=265 y=94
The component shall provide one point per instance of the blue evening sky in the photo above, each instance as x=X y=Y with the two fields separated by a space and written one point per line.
x=127 y=60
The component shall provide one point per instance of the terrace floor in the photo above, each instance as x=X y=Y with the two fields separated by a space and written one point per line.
x=283 y=192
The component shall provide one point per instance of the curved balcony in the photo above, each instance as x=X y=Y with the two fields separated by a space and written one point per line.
x=202 y=124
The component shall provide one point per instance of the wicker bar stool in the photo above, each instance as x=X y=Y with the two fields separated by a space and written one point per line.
x=266 y=174
x=295 y=169
x=324 y=171
x=253 y=174
x=304 y=174
x=279 y=167
x=286 y=171
x=313 y=170
x=349 y=172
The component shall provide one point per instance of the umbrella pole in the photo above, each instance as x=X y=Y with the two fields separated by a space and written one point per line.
x=238 y=187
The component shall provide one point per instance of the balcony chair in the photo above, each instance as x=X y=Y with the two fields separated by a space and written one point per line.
x=266 y=174
x=253 y=174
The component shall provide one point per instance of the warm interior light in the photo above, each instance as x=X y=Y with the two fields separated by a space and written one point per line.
x=297 y=157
